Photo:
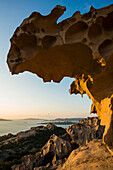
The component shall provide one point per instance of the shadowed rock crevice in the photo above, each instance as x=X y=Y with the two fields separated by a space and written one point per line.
x=108 y=22
x=95 y=32
x=48 y=41
x=106 y=48
x=80 y=47
x=76 y=32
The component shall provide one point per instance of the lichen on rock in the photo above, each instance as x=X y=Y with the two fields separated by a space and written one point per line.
x=80 y=47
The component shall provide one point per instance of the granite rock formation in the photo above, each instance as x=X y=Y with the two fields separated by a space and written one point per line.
x=80 y=47
x=55 y=152
x=86 y=130
x=93 y=156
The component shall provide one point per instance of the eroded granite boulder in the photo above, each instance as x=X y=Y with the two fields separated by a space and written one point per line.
x=80 y=47
x=92 y=156
x=56 y=148
x=86 y=130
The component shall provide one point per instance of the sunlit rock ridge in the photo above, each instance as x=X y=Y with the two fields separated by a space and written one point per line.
x=80 y=47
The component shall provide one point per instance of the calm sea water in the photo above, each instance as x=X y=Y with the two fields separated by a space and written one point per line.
x=16 y=126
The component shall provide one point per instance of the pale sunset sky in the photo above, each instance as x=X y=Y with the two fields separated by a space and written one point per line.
x=25 y=95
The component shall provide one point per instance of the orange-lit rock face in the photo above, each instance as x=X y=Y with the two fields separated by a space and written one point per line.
x=80 y=47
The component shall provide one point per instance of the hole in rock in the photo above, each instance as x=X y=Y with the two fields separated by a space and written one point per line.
x=94 y=32
x=108 y=22
x=12 y=61
x=106 y=48
x=25 y=40
x=18 y=60
x=76 y=31
x=84 y=40
x=43 y=30
x=48 y=41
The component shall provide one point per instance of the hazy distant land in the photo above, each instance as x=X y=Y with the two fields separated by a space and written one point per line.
x=5 y=119
x=16 y=125
x=64 y=119
x=33 y=119
x=60 y=123
x=56 y=119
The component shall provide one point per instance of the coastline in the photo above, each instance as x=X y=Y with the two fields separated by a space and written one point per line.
x=40 y=144
x=16 y=126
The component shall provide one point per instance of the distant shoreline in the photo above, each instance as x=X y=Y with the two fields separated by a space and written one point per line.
x=55 y=119
x=5 y=120
x=32 y=119
x=60 y=123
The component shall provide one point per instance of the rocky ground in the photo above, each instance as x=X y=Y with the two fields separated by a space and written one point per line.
x=14 y=147
x=92 y=156
x=49 y=147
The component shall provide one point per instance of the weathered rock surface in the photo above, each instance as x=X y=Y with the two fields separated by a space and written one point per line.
x=55 y=152
x=14 y=147
x=80 y=47
x=86 y=130
x=93 y=156
x=56 y=148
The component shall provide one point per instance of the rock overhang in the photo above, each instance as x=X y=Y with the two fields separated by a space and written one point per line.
x=80 y=47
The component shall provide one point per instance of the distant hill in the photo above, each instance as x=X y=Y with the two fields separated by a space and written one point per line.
x=60 y=123
x=68 y=119
x=5 y=119
x=65 y=119
x=33 y=119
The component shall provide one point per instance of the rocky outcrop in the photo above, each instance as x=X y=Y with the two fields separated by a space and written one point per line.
x=80 y=47
x=14 y=147
x=93 y=156
x=32 y=132
x=56 y=148
x=26 y=134
x=86 y=130
x=55 y=152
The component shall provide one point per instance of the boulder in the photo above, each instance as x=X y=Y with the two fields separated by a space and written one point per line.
x=86 y=130
x=56 y=148
x=92 y=156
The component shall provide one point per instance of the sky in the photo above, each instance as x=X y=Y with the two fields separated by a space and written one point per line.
x=26 y=95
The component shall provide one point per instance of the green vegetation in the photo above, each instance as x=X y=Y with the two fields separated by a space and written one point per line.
x=5 y=137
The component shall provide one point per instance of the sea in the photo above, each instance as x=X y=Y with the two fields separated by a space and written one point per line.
x=15 y=126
